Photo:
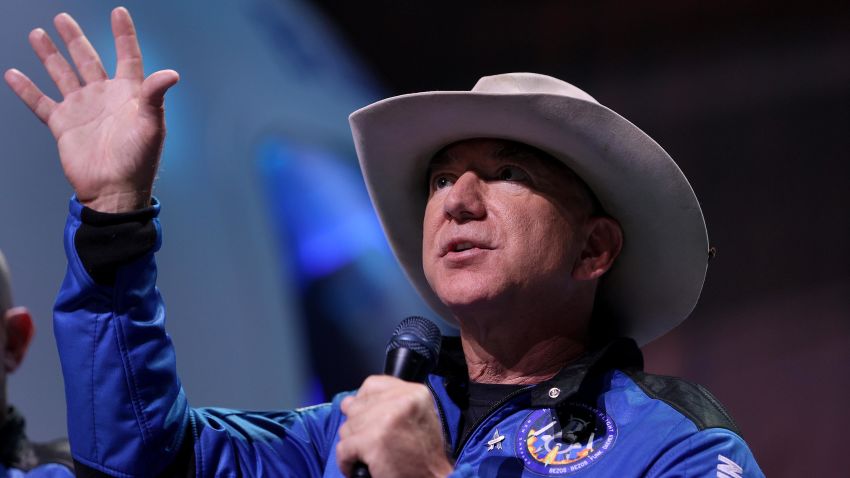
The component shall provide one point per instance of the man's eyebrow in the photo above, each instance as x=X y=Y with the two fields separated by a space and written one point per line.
x=506 y=151
x=440 y=158
x=512 y=150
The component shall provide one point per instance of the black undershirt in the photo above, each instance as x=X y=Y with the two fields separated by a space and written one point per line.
x=482 y=397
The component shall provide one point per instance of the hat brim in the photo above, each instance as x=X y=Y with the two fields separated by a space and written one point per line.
x=658 y=277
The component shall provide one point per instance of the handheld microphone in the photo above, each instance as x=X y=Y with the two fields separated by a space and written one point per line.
x=411 y=355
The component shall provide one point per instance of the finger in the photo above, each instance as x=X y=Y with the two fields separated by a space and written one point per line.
x=127 y=49
x=361 y=404
x=377 y=383
x=38 y=102
x=346 y=456
x=372 y=390
x=345 y=404
x=84 y=55
x=155 y=86
x=55 y=64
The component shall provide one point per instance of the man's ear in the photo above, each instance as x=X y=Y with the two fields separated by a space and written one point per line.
x=603 y=245
x=19 y=332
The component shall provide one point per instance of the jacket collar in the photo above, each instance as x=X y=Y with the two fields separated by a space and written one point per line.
x=621 y=353
x=17 y=452
x=15 y=449
x=572 y=380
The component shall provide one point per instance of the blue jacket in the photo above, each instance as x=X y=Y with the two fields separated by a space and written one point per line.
x=129 y=416
x=49 y=470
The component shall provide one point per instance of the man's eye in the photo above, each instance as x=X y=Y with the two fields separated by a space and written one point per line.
x=512 y=173
x=441 y=182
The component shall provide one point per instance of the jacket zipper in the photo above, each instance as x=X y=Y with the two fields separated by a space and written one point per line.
x=496 y=406
x=446 y=435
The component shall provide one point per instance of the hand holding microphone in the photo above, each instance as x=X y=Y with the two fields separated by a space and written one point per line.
x=391 y=423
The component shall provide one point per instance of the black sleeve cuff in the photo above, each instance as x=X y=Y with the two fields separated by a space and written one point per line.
x=105 y=242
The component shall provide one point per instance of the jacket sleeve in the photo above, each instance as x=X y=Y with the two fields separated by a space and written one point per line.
x=713 y=452
x=127 y=411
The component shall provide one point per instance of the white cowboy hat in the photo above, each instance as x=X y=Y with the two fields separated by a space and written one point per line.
x=654 y=284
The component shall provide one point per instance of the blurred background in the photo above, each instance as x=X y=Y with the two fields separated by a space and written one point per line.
x=279 y=286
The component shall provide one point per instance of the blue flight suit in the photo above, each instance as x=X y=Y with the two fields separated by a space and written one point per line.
x=129 y=416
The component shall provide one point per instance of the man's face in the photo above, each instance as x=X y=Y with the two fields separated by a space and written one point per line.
x=500 y=224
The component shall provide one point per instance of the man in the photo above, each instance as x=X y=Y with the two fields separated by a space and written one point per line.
x=540 y=222
x=18 y=456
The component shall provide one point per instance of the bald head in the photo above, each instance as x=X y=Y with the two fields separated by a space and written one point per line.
x=5 y=288
x=16 y=331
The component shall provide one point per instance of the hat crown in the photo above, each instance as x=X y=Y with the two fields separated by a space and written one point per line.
x=529 y=83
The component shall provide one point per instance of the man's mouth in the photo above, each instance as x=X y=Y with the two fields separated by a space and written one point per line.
x=462 y=246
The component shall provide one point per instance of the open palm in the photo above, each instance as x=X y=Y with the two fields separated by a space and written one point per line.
x=109 y=131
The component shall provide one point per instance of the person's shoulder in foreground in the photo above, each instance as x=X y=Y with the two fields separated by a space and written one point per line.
x=20 y=457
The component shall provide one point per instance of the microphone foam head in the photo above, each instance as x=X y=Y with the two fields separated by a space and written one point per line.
x=419 y=335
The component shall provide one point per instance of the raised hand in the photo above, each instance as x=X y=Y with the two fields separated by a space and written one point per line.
x=109 y=131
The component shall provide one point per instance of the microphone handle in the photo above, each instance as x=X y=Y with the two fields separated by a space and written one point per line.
x=406 y=364
x=360 y=470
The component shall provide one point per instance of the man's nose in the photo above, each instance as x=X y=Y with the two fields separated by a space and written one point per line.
x=464 y=201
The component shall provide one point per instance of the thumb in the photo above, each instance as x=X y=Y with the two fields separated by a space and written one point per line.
x=155 y=86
